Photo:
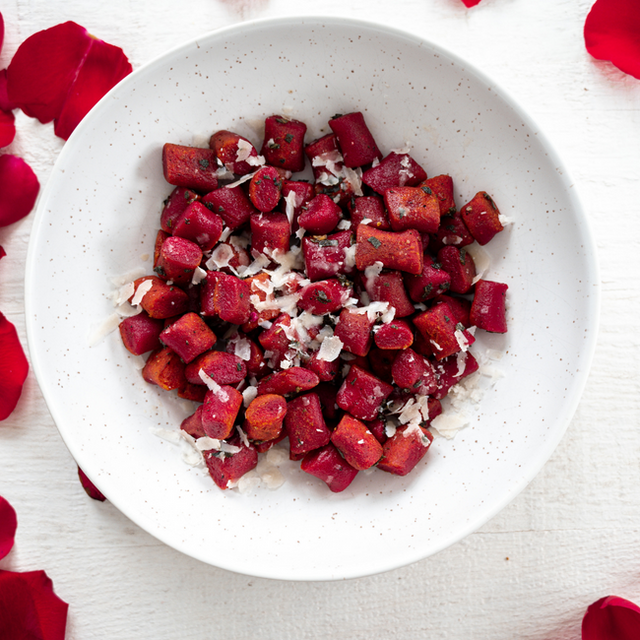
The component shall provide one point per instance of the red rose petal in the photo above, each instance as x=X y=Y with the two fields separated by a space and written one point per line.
x=44 y=67
x=470 y=3
x=611 y=618
x=19 y=187
x=1 y=30
x=89 y=487
x=103 y=67
x=7 y=128
x=13 y=368
x=8 y=526
x=29 y=609
x=3 y=253
x=5 y=103
x=612 y=32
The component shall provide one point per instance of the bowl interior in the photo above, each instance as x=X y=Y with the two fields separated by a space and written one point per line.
x=98 y=218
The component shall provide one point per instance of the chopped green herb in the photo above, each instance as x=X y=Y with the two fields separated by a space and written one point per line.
x=204 y=163
x=459 y=327
x=273 y=145
x=489 y=199
x=281 y=120
x=375 y=242
x=451 y=212
x=463 y=256
x=325 y=242
x=322 y=296
x=288 y=137
x=427 y=190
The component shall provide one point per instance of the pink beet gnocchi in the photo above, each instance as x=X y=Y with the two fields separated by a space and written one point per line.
x=331 y=316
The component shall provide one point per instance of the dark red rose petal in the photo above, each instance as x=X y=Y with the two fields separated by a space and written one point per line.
x=5 y=103
x=89 y=487
x=611 y=618
x=103 y=67
x=44 y=67
x=29 y=609
x=8 y=526
x=13 y=368
x=470 y=3
x=612 y=32
x=3 y=253
x=19 y=187
x=7 y=128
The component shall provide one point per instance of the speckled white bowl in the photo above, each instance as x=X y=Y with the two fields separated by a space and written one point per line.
x=99 y=214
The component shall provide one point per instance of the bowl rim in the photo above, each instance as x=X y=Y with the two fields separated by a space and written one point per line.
x=543 y=454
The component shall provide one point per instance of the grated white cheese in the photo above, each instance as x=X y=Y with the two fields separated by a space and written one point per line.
x=244 y=150
x=141 y=291
x=242 y=349
x=240 y=181
x=481 y=259
x=104 y=329
x=330 y=349
x=255 y=161
x=199 y=275
x=248 y=395
x=123 y=294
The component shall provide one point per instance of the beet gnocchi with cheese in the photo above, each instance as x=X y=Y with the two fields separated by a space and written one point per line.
x=333 y=314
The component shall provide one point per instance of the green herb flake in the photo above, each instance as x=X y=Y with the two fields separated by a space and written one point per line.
x=322 y=296
x=204 y=163
x=463 y=257
x=459 y=327
x=427 y=190
x=325 y=242
x=447 y=319
x=375 y=242
x=238 y=366
x=281 y=120
x=451 y=212
x=489 y=199
x=273 y=145
x=402 y=212
x=288 y=138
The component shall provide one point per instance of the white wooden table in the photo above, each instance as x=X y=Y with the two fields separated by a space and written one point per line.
x=570 y=538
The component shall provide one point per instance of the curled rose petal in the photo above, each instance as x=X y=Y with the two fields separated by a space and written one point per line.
x=103 y=67
x=89 y=487
x=44 y=67
x=611 y=618
x=7 y=128
x=19 y=187
x=29 y=609
x=61 y=72
x=8 y=526
x=13 y=368
x=612 y=32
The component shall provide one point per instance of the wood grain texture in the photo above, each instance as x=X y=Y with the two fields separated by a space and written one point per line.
x=570 y=538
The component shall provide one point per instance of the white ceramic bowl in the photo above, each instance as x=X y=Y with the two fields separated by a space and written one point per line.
x=100 y=212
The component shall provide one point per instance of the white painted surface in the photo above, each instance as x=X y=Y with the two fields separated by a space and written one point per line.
x=568 y=539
